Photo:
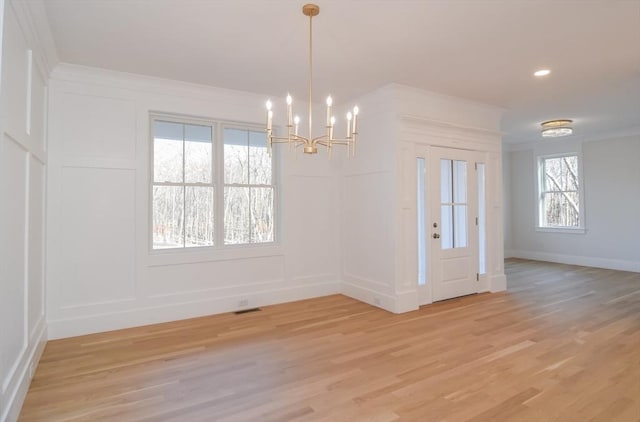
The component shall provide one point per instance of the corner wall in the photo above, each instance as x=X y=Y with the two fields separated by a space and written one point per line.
x=368 y=206
x=612 y=205
x=23 y=167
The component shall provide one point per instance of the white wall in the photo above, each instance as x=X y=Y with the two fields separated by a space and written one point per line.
x=379 y=190
x=612 y=205
x=101 y=274
x=368 y=210
x=23 y=164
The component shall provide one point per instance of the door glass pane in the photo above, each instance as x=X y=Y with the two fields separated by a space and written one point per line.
x=197 y=154
x=482 y=229
x=199 y=216
x=460 y=226
x=167 y=151
x=453 y=203
x=446 y=181
x=261 y=215
x=460 y=181
x=422 y=226
x=446 y=229
x=168 y=208
x=236 y=156
x=236 y=215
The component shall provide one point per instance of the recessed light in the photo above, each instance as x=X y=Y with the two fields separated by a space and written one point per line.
x=541 y=72
x=556 y=128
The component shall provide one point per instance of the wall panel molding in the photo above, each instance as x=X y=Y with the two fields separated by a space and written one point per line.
x=139 y=316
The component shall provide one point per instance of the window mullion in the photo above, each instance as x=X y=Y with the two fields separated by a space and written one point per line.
x=220 y=183
x=184 y=190
x=249 y=182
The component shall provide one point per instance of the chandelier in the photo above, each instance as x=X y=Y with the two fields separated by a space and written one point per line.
x=309 y=143
x=556 y=128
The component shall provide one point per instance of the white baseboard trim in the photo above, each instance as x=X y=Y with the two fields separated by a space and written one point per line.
x=397 y=304
x=407 y=301
x=585 y=261
x=369 y=296
x=498 y=283
x=15 y=397
x=145 y=315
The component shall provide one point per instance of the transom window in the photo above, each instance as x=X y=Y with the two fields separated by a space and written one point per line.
x=212 y=185
x=559 y=190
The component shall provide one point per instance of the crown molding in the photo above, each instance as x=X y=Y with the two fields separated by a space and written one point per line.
x=32 y=19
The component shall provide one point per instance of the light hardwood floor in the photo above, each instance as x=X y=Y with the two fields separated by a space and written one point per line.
x=563 y=344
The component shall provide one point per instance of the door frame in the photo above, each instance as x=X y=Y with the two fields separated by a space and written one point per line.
x=426 y=152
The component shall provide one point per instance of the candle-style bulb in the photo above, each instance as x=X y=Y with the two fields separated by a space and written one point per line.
x=289 y=99
x=355 y=110
x=296 y=120
x=329 y=101
x=269 y=105
x=333 y=120
x=349 y=116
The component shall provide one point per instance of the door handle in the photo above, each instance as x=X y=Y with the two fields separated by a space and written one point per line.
x=436 y=236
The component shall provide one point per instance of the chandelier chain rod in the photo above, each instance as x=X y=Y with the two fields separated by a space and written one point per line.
x=310 y=73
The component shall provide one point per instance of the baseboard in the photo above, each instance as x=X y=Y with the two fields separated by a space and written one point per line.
x=407 y=301
x=146 y=315
x=585 y=261
x=400 y=303
x=16 y=396
x=498 y=283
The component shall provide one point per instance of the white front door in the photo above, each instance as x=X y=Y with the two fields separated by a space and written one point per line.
x=452 y=227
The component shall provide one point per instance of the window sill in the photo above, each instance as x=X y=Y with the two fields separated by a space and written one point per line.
x=565 y=230
x=159 y=258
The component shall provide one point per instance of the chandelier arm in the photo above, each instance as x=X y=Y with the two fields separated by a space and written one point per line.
x=327 y=143
x=282 y=140
x=319 y=138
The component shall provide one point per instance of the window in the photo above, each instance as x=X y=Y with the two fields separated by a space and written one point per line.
x=206 y=192
x=559 y=190
x=248 y=191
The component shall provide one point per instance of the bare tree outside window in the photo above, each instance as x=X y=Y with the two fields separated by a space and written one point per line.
x=248 y=191
x=559 y=192
x=182 y=185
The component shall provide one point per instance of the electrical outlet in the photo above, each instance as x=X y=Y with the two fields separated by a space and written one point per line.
x=243 y=303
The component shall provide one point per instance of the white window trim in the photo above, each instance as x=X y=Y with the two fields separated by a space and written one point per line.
x=218 y=251
x=538 y=158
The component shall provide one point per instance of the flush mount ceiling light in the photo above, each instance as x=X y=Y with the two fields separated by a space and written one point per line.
x=310 y=144
x=541 y=72
x=556 y=128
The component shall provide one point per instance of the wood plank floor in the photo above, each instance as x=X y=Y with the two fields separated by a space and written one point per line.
x=562 y=345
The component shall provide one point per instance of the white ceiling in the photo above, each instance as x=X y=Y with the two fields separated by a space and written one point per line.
x=482 y=50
